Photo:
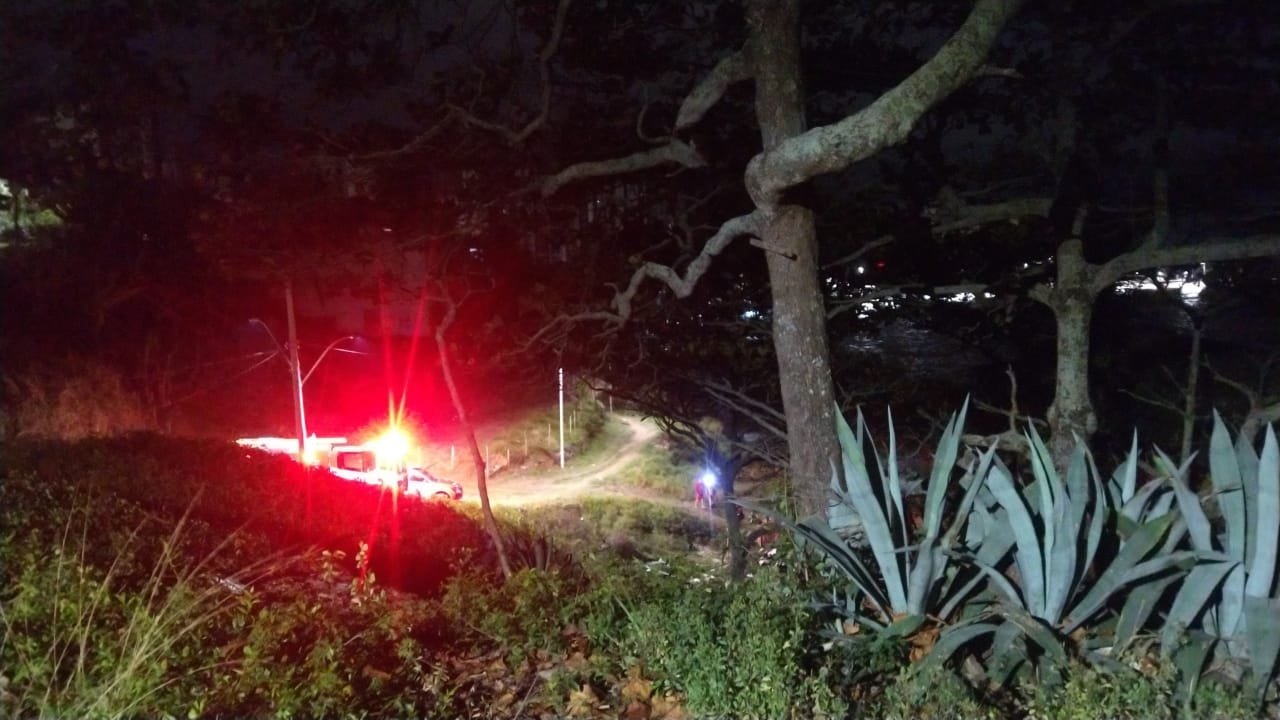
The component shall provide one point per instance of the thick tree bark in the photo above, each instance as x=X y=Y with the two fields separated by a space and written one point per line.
x=1071 y=416
x=791 y=249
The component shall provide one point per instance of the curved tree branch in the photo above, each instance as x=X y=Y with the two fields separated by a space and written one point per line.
x=729 y=71
x=683 y=285
x=675 y=152
x=888 y=120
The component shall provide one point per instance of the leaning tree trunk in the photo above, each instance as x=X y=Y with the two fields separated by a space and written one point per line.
x=791 y=251
x=482 y=485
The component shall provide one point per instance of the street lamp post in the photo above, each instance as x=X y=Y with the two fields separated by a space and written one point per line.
x=296 y=377
x=299 y=413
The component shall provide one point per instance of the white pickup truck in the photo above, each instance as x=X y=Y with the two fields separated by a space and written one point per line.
x=360 y=462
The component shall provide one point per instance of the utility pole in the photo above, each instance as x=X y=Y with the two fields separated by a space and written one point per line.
x=562 y=418
x=299 y=415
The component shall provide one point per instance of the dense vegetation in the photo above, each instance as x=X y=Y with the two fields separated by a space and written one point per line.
x=147 y=576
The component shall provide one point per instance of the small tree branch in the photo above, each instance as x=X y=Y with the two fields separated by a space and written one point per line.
x=515 y=137
x=967 y=217
x=866 y=248
x=683 y=285
x=729 y=71
x=674 y=152
x=1148 y=255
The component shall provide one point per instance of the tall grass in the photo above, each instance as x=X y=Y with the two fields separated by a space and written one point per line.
x=86 y=641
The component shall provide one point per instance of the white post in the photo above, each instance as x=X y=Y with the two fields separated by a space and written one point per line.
x=561 y=417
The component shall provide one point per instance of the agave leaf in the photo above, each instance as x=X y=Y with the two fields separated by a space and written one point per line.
x=1263 y=545
x=904 y=626
x=1250 y=476
x=890 y=492
x=1262 y=616
x=1138 y=606
x=1102 y=512
x=1069 y=531
x=1039 y=633
x=1193 y=597
x=990 y=552
x=872 y=510
x=1125 y=479
x=837 y=551
x=1192 y=512
x=930 y=564
x=944 y=459
x=965 y=509
x=1189 y=658
x=1161 y=507
x=1007 y=653
x=1230 y=609
x=1027 y=541
x=892 y=487
x=1143 y=571
x=1225 y=472
x=952 y=639
x=1132 y=510
x=1121 y=571
x=1001 y=585
x=1051 y=495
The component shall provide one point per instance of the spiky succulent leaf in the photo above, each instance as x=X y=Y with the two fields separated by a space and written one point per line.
x=1193 y=514
x=1123 y=569
x=1225 y=474
x=952 y=639
x=1262 y=615
x=1193 y=598
x=944 y=459
x=1027 y=548
x=871 y=507
x=1138 y=607
x=1124 y=481
x=1265 y=535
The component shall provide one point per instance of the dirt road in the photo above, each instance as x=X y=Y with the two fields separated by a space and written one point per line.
x=561 y=486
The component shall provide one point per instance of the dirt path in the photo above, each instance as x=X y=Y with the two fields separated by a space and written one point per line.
x=561 y=486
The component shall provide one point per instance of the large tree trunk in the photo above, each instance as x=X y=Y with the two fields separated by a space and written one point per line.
x=790 y=244
x=1071 y=415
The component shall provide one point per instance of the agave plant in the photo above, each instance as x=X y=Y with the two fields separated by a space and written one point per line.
x=1061 y=580
x=1229 y=602
x=912 y=576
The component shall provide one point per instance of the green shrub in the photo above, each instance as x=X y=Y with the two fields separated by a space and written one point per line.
x=525 y=614
x=930 y=692
x=732 y=650
x=321 y=645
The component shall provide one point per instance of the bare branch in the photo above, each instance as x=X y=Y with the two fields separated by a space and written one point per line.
x=866 y=248
x=515 y=137
x=763 y=414
x=683 y=285
x=729 y=71
x=675 y=152
x=966 y=216
x=1148 y=255
x=888 y=120
x=417 y=143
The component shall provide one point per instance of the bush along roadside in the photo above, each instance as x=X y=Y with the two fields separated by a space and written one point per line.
x=1029 y=584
